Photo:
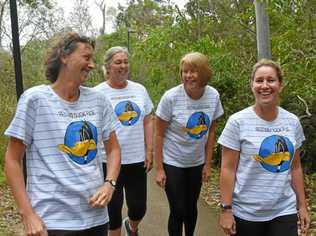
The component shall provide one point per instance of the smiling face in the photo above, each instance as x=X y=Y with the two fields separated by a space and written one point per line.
x=266 y=86
x=118 y=69
x=192 y=81
x=80 y=62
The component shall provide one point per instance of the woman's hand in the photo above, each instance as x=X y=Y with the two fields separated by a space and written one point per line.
x=33 y=224
x=227 y=222
x=161 y=178
x=206 y=172
x=304 y=219
x=102 y=197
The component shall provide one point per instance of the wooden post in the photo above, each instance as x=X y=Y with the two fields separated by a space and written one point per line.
x=263 y=32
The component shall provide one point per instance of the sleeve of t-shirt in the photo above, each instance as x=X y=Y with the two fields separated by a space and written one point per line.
x=22 y=125
x=230 y=136
x=218 y=109
x=111 y=122
x=148 y=103
x=299 y=135
x=164 y=108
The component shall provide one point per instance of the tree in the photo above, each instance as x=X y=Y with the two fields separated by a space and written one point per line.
x=80 y=19
x=108 y=14
x=37 y=19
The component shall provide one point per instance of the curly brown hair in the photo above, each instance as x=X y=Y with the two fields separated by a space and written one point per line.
x=65 y=45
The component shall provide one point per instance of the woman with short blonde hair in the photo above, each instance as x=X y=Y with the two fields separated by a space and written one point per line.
x=185 y=132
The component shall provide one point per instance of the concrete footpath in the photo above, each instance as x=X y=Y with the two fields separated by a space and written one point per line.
x=156 y=218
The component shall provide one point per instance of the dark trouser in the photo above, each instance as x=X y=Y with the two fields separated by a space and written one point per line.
x=133 y=179
x=183 y=188
x=100 y=230
x=282 y=225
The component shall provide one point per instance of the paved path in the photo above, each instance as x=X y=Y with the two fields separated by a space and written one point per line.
x=155 y=221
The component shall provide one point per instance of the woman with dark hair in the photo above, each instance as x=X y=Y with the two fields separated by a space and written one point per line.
x=185 y=133
x=261 y=185
x=62 y=128
x=133 y=107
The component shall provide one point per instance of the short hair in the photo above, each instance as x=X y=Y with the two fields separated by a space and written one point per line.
x=267 y=62
x=109 y=54
x=200 y=62
x=65 y=45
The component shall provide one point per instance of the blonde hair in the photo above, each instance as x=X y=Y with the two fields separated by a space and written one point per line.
x=270 y=63
x=199 y=62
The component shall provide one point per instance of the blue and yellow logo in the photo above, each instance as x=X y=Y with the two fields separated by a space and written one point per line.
x=127 y=112
x=275 y=154
x=197 y=125
x=80 y=142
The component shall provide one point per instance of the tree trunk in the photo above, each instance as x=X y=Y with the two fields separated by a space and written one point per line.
x=263 y=33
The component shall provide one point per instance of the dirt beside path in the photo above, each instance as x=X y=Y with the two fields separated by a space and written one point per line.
x=10 y=221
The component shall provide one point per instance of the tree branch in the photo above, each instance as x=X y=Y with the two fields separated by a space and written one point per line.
x=308 y=114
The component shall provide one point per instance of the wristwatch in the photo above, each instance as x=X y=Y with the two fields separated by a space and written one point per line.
x=111 y=181
x=224 y=206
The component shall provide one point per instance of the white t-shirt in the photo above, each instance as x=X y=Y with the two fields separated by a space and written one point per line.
x=131 y=104
x=63 y=152
x=263 y=180
x=189 y=123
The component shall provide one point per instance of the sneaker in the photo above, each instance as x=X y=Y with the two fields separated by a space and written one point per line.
x=128 y=231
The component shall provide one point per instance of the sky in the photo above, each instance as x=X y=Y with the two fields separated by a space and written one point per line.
x=67 y=6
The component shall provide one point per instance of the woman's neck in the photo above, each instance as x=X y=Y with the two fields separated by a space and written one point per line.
x=116 y=84
x=196 y=94
x=68 y=91
x=268 y=113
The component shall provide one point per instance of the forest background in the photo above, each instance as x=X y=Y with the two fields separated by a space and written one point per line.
x=158 y=34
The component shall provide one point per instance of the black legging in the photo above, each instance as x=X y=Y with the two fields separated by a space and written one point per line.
x=183 y=188
x=282 y=225
x=132 y=179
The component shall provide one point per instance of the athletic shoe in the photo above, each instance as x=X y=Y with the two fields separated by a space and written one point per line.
x=128 y=231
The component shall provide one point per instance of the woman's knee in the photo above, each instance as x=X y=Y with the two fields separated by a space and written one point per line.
x=137 y=210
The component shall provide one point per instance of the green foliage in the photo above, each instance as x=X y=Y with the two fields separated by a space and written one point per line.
x=222 y=29
x=7 y=102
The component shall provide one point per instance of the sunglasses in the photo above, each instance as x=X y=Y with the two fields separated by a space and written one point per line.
x=74 y=39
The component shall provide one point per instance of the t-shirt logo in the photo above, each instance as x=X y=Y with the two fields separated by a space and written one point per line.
x=197 y=125
x=127 y=112
x=275 y=154
x=80 y=142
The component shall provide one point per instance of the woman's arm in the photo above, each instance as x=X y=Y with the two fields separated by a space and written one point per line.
x=148 y=132
x=13 y=169
x=113 y=153
x=209 y=152
x=161 y=126
x=298 y=187
x=230 y=160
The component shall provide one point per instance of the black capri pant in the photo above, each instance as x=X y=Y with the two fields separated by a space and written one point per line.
x=132 y=179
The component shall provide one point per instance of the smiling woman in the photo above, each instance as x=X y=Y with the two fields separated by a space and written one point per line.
x=63 y=128
x=133 y=108
x=185 y=132
x=262 y=187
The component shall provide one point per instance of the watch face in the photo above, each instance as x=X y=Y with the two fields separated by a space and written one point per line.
x=112 y=182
